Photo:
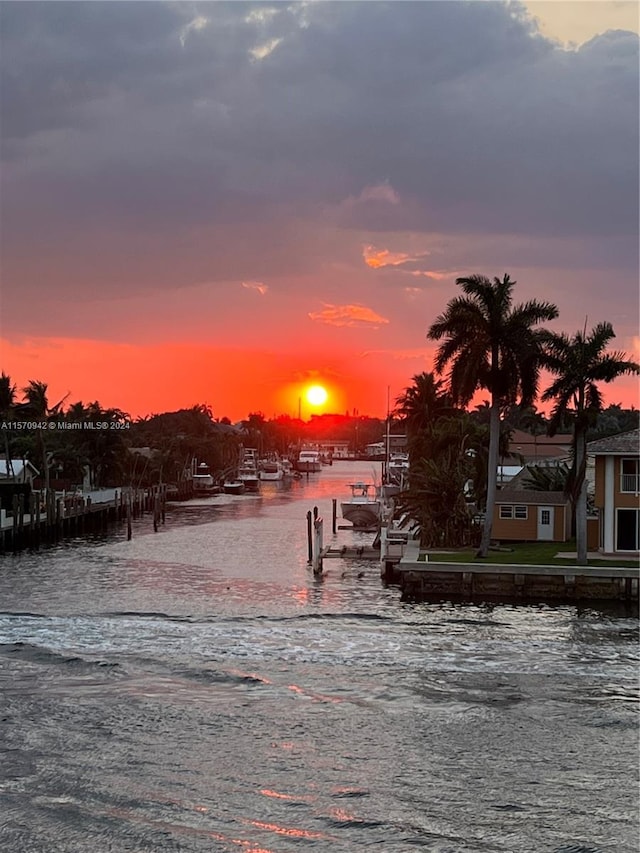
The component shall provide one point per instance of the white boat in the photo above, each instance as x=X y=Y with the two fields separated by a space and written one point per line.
x=233 y=487
x=398 y=469
x=364 y=507
x=248 y=470
x=287 y=467
x=309 y=461
x=203 y=482
x=271 y=468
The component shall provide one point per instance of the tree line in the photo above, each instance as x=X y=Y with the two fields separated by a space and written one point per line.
x=152 y=449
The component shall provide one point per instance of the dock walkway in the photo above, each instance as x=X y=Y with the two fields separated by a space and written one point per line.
x=39 y=521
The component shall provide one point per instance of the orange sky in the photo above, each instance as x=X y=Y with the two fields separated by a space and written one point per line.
x=224 y=211
x=147 y=379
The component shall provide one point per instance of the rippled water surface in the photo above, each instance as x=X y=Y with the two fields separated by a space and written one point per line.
x=198 y=690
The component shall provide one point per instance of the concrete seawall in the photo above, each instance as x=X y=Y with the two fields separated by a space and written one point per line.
x=425 y=578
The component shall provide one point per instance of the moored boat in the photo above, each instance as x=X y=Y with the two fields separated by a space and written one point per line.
x=271 y=468
x=309 y=461
x=233 y=487
x=203 y=483
x=248 y=470
x=364 y=507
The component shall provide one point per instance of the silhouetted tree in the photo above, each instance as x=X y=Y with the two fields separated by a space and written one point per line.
x=579 y=362
x=490 y=344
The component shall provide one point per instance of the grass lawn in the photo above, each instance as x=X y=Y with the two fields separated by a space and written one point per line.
x=528 y=553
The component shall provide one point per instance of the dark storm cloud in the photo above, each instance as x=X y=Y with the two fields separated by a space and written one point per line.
x=178 y=118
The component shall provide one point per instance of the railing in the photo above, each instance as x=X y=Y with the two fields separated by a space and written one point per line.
x=630 y=483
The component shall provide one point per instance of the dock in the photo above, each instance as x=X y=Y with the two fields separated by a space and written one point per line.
x=349 y=552
x=49 y=520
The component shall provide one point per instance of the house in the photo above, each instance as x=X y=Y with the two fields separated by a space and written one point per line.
x=525 y=515
x=337 y=449
x=617 y=491
x=533 y=448
x=20 y=471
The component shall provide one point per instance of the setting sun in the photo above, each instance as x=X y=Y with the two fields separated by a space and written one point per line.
x=316 y=395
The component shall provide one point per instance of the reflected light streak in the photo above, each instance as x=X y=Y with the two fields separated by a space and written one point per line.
x=286 y=830
x=315 y=697
x=307 y=798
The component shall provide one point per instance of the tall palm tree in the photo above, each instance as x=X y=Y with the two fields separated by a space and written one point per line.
x=7 y=403
x=491 y=344
x=36 y=407
x=578 y=363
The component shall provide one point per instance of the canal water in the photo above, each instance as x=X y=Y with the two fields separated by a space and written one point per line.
x=199 y=690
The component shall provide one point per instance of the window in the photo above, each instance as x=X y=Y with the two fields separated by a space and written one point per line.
x=545 y=516
x=519 y=512
x=629 y=479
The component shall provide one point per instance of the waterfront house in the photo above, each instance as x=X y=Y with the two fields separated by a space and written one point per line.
x=20 y=471
x=525 y=515
x=617 y=491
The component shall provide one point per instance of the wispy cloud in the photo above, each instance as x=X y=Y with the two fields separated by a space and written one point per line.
x=198 y=23
x=348 y=315
x=434 y=274
x=417 y=354
x=377 y=258
x=263 y=50
x=259 y=286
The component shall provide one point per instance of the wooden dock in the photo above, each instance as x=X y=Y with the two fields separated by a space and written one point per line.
x=68 y=515
x=350 y=552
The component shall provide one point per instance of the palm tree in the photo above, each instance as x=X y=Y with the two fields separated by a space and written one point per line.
x=36 y=407
x=490 y=344
x=578 y=363
x=422 y=403
x=7 y=403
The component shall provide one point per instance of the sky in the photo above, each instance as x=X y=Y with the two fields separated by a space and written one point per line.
x=223 y=203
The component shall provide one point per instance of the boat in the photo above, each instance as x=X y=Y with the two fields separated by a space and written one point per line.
x=287 y=467
x=248 y=470
x=309 y=461
x=271 y=468
x=233 y=487
x=398 y=469
x=364 y=507
x=203 y=483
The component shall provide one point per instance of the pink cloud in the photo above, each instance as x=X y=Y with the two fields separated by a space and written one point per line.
x=258 y=286
x=348 y=315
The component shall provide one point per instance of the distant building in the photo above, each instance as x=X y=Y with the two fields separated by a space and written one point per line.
x=23 y=471
x=532 y=448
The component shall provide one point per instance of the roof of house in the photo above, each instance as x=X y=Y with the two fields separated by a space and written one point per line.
x=17 y=466
x=622 y=443
x=531 y=496
x=543 y=446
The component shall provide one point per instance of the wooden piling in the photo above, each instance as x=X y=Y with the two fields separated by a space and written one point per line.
x=129 y=514
x=317 y=546
x=334 y=514
x=32 y=513
x=310 y=536
x=14 y=536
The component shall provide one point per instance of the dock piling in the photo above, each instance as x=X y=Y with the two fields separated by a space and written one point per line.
x=309 y=537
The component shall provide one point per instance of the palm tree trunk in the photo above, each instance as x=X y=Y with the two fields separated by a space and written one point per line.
x=492 y=476
x=581 y=500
